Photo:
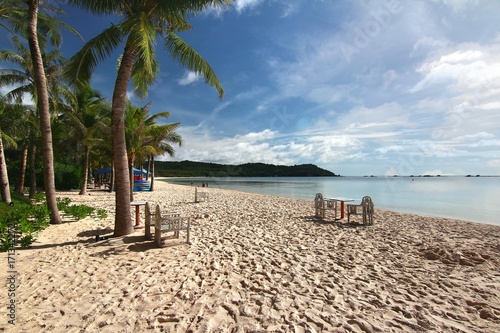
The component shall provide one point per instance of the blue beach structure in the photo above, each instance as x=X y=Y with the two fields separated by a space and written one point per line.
x=140 y=184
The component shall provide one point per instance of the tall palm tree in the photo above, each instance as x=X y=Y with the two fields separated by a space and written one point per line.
x=163 y=137
x=8 y=115
x=28 y=136
x=22 y=17
x=134 y=122
x=140 y=22
x=43 y=112
x=145 y=138
x=84 y=110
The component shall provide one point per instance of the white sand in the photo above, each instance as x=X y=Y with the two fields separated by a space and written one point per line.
x=258 y=264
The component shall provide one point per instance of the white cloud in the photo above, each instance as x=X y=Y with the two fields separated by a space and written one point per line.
x=468 y=67
x=26 y=99
x=241 y=5
x=458 y=5
x=188 y=78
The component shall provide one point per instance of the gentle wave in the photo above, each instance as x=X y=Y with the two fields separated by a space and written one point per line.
x=475 y=199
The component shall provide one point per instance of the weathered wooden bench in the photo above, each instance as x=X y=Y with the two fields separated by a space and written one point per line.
x=167 y=222
x=321 y=206
x=200 y=196
x=149 y=220
x=365 y=209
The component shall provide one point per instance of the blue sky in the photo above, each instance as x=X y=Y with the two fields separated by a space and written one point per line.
x=362 y=87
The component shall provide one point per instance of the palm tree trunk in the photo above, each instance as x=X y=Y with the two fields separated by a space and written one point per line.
x=123 y=221
x=112 y=179
x=151 y=187
x=43 y=112
x=22 y=176
x=149 y=168
x=83 y=190
x=32 y=172
x=131 y=173
x=4 y=176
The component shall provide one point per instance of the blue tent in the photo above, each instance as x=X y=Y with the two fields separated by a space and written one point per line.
x=103 y=171
x=138 y=172
x=107 y=171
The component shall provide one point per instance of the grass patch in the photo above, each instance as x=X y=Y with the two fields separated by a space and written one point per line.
x=21 y=221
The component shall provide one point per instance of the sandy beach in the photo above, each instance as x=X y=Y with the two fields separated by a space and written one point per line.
x=257 y=264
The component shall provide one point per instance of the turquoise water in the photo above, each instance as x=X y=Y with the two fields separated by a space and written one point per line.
x=474 y=199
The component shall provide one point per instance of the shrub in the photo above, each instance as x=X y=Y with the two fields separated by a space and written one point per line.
x=20 y=223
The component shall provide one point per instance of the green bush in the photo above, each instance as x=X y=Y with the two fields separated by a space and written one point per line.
x=63 y=203
x=19 y=224
x=101 y=213
x=79 y=211
x=67 y=176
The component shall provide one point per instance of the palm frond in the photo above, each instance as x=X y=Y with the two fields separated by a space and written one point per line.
x=188 y=57
x=80 y=67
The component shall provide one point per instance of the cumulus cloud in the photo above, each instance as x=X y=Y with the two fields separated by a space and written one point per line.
x=468 y=67
x=189 y=78
x=458 y=5
x=241 y=5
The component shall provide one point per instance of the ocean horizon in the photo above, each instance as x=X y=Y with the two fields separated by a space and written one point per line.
x=468 y=198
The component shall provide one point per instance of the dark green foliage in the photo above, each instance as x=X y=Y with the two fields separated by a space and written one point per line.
x=20 y=223
x=199 y=169
x=101 y=213
x=79 y=211
x=67 y=176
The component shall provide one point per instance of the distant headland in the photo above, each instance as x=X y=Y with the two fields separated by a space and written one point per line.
x=201 y=169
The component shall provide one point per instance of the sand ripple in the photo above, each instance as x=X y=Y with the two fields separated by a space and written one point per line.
x=261 y=264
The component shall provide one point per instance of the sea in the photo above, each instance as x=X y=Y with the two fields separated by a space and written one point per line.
x=475 y=199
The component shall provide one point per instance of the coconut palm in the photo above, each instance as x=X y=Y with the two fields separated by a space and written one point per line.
x=22 y=17
x=140 y=22
x=6 y=116
x=43 y=111
x=26 y=83
x=163 y=137
x=84 y=111
x=145 y=138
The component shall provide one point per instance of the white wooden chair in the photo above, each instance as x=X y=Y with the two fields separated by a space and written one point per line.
x=168 y=223
x=150 y=220
x=200 y=196
x=321 y=206
x=365 y=209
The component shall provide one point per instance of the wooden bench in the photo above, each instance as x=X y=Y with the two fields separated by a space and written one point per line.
x=365 y=209
x=149 y=220
x=321 y=206
x=200 y=196
x=167 y=222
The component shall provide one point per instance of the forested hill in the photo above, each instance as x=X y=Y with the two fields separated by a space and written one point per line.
x=200 y=169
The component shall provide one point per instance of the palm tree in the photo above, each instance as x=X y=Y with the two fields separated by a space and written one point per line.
x=145 y=138
x=134 y=122
x=84 y=111
x=22 y=17
x=140 y=23
x=43 y=112
x=7 y=121
x=162 y=138
x=25 y=82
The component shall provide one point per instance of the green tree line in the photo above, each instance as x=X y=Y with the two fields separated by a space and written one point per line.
x=201 y=169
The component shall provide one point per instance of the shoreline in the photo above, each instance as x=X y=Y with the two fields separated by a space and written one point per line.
x=398 y=210
x=259 y=263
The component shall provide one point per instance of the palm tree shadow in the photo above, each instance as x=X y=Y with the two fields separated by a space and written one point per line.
x=95 y=232
x=338 y=223
x=89 y=235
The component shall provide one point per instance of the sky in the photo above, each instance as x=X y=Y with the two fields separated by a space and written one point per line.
x=368 y=87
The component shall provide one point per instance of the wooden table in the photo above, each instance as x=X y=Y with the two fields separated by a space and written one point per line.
x=342 y=204
x=137 y=205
